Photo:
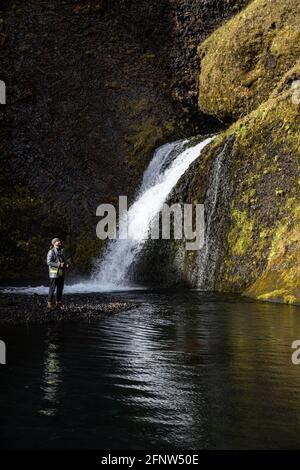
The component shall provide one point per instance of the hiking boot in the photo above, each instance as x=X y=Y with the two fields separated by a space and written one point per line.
x=50 y=306
x=59 y=305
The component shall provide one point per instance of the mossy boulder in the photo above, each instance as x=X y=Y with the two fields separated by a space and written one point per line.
x=243 y=61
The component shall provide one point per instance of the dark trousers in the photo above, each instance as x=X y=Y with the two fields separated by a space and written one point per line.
x=58 y=284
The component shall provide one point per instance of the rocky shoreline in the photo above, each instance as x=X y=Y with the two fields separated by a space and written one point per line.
x=16 y=309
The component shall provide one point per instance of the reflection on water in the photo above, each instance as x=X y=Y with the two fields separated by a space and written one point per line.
x=52 y=373
x=184 y=370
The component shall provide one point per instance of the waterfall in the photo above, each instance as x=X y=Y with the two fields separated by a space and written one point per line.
x=216 y=204
x=168 y=164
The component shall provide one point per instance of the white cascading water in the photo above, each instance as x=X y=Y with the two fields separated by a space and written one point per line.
x=169 y=163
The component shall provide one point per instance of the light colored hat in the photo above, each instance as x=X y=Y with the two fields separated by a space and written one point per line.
x=54 y=240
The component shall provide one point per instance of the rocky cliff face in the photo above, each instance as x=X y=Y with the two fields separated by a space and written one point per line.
x=92 y=88
x=250 y=72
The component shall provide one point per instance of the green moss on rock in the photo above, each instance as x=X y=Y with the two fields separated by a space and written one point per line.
x=243 y=61
x=266 y=191
x=280 y=281
x=240 y=236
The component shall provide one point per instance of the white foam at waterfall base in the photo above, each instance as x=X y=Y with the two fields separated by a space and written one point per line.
x=83 y=287
x=168 y=164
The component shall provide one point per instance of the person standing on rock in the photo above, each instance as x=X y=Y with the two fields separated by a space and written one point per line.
x=57 y=267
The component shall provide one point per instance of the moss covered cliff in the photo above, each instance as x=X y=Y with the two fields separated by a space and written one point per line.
x=250 y=71
x=264 y=219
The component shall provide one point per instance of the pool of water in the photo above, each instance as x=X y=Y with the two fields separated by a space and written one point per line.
x=184 y=370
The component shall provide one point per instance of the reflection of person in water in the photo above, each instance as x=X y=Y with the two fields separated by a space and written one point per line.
x=52 y=372
x=57 y=266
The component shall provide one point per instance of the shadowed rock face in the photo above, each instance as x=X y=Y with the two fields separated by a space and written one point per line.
x=93 y=88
